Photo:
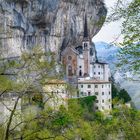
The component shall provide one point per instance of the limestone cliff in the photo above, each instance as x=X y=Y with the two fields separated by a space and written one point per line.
x=52 y=24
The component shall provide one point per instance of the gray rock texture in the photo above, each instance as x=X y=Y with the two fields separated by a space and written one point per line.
x=51 y=24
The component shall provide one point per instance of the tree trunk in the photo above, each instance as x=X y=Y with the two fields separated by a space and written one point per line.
x=6 y=137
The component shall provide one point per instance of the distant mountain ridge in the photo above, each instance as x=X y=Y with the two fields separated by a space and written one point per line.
x=108 y=53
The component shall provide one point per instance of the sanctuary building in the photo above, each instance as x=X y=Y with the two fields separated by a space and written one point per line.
x=86 y=73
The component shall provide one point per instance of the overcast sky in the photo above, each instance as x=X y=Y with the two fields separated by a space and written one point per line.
x=109 y=32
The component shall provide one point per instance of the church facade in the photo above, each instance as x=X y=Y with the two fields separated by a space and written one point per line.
x=89 y=75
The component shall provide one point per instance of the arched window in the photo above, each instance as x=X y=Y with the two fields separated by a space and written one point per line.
x=69 y=70
x=69 y=58
x=85 y=45
x=80 y=73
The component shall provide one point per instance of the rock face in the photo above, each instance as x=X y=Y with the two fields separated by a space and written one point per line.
x=51 y=24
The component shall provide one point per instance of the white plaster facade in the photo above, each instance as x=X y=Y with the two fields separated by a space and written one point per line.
x=100 y=71
x=100 y=89
x=55 y=93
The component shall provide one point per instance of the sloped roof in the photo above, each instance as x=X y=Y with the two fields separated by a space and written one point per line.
x=55 y=81
x=93 y=81
x=72 y=49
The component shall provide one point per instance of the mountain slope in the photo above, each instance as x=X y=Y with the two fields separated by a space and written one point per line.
x=108 y=53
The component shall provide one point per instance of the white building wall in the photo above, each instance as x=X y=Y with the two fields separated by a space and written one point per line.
x=101 y=91
x=80 y=64
x=93 y=58
x=83 y=88
x=106 y=72
x=91 y=71
x=103 y=101
x=57 y=95
x=98 y=71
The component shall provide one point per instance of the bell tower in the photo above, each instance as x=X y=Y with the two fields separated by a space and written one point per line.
x=86 y=48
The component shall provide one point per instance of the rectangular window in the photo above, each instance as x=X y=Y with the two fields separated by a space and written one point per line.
x=102 y=93
x=97 y=101
x=89 y=93
x=82 y=93
x=102 y=101
x=89 y=86
x=109 y=100
x=109 y=92
x=103 y=107
x=96 y=93
x=94 y=66
x=94 y=73
x=96 y=107
x=80 y=66
x=77 y=94
x=98 y=66
x=81 y=86
x=96 y=86
x=102 y=86
x=98 y=73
